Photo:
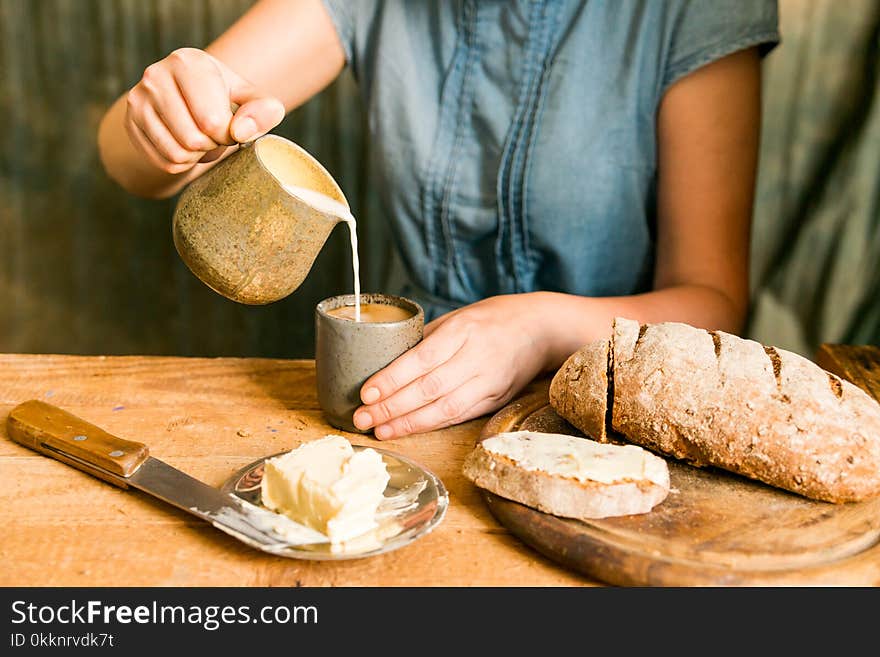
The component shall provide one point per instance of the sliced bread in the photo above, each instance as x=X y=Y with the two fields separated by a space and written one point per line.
x=579 y=392
x=713 y=398
x=569 y=476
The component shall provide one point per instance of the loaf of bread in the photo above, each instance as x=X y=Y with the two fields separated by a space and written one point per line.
x=569 y=476
x=712 y=398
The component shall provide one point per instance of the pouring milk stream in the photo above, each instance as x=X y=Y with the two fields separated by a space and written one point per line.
x=331 y=206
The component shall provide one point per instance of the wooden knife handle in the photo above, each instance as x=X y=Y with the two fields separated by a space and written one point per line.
x=55 y=432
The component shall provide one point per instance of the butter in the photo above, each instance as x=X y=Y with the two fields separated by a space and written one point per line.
x=578 y=458
x=328 y=486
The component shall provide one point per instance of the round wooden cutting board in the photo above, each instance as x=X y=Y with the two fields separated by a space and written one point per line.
x=714 y=529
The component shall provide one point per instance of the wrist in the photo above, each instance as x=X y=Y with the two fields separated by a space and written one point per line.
x=547 y=321
x=567 y=323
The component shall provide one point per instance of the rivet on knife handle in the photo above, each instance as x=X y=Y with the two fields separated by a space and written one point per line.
x=51 y=430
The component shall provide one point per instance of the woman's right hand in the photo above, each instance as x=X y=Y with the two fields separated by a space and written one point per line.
x=183 y=111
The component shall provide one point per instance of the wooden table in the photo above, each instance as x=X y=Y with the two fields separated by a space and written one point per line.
x=209 y=417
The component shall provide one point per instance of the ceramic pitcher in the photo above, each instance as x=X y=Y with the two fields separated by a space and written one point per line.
x=242 y=233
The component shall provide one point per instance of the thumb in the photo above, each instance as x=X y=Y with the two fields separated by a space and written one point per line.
x=256 y=115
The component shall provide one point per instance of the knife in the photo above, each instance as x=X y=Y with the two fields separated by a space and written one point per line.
x=57 y=433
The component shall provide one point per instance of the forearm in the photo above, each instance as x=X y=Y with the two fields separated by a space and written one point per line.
x=178 y=121
x=570 y=321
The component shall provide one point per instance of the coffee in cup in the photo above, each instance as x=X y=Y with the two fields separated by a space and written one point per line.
x=372 y=312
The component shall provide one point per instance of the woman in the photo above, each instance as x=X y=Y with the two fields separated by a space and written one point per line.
x=546 y=166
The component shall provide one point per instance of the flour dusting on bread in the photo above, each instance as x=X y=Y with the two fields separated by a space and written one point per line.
x=713 y=398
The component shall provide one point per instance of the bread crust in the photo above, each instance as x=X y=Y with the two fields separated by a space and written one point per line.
x=713 y=398
x=579 y=389
x=561 y=496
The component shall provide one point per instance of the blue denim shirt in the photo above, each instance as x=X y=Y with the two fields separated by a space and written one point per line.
x=513 y=142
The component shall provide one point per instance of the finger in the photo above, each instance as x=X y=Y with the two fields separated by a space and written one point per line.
x=205 y=92
x=464 y=403
x=176 y=116
x=255 y=116
x=438 y=382
x=418 y=361
x=142 y=143
x=212 y=155
x=162 y=139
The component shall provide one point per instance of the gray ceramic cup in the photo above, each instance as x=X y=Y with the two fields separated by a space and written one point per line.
x=347 y=353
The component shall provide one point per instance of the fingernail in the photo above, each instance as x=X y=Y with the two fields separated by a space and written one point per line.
x=244 y=129
x=370 y=395
x=362 y=420
x=383 y=432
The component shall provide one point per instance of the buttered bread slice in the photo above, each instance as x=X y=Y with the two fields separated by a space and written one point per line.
x=328 y=486
x=569 y=476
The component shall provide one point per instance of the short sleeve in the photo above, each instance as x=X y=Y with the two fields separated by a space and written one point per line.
x=706 y=30
x=343 y=13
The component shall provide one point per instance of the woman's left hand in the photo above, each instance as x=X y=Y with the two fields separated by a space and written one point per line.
x=470 y=362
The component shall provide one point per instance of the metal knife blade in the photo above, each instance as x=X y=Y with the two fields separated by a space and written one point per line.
x=248 y=522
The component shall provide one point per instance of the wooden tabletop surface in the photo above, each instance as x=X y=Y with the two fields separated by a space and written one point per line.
x=209 y=417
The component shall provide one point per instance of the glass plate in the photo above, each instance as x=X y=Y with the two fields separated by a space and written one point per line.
x=415 y=502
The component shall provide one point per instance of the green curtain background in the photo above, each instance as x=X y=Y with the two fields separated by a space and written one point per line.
x=86 y=268
x=816 y=240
